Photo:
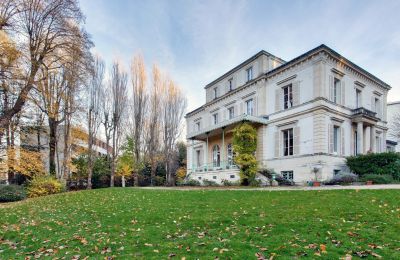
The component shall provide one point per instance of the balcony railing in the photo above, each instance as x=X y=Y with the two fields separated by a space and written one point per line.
x=212 y=167
x=361 y=111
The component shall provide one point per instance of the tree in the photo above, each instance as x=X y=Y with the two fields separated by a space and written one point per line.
x=118 y=83
x=139 y=107
x=395 y=126
x=125 y=160
x=46 y=31
x=245 y=145
x=174 y=106
x=95 y=92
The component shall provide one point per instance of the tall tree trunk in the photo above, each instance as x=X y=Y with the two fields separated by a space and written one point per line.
x=52 y=145
x=113 y=159
x=90 y=155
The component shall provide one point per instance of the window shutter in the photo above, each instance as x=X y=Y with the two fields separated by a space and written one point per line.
x=330 y=133
x=277 y=99
x=331 y=87
x=343 y=139
x=296 y=140
x=296 y=93
x=343 y=93
x=277 y=143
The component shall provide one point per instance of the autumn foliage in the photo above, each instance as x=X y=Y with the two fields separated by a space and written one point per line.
x=25 y=162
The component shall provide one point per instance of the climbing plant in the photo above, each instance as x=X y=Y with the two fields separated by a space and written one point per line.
x=245 y=145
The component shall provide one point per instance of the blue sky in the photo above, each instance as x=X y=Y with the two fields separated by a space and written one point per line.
x=197 y=41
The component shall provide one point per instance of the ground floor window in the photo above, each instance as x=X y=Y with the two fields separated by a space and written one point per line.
x=216 y=156
x=287 y=175
x=198 y=159
x=231 y=155
x=288 y=142
x=336 y=172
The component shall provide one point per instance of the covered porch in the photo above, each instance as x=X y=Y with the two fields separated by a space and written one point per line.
x=212 y=148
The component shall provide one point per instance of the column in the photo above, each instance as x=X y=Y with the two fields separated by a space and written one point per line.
x=372 y=137
x=368 y=139
x=223 y=148
x=206 y=160
x=360 y=137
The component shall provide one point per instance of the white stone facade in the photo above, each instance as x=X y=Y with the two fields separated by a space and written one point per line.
x=310 y=112
x=393 y=115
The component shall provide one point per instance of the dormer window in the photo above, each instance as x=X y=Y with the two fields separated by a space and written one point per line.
x=230 y=84
x=215 y=93
x=249 y=73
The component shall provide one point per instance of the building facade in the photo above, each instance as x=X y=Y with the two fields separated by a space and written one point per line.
x=393 y=116
x=310 y=113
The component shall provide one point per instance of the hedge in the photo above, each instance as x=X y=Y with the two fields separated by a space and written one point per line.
x=387 y=163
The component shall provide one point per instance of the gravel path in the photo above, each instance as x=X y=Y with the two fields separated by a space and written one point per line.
x=288 y=188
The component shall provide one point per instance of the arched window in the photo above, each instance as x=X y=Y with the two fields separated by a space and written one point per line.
x=230 y=154
x=216 y=156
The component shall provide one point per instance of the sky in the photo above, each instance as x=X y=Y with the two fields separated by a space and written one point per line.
x=197 y=41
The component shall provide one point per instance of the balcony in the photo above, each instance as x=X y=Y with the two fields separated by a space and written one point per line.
x=213 y=167
x=363 y=114
x=216 y=129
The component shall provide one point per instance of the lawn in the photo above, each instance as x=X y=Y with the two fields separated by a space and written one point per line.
x=158 y=224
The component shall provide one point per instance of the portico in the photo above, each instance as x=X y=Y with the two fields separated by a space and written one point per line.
x=365 y=130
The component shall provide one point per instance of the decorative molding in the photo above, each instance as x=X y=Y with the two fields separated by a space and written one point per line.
x=377 y=93
x=214 y=110
x=360 y=84
x=230 y=103
x=338 y=72
x=197 y=119
x=336 y=119
x=293 y=122
x=248 y=95
x=287 y=79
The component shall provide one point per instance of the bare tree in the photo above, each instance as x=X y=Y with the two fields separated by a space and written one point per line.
x=106 y=116
x=153 y=124
x=94 y=120
x=45 y=30
x=139 y=107
x=174 y=106
x=395 y=126
x=118 y=84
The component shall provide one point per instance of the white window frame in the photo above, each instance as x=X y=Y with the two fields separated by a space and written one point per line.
x=336 y=90
x=215 y=118
x=216 y=156
x=198 y=158
x=287 y=175
x=377 y=105
x=249 y=73
x=250 y=107
x=358 y=98
x=336 y=139
x=231 y=112
x=198 y=126
x=230 y=84
x=288 y=97
x=215 y=92
x=288 y=144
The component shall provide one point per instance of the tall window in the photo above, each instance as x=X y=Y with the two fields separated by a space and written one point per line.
x=215 y=118
x=231 y=112
x=377 y=107
x=249 y=73
x=355 y=143
x=230 y=155
x=336 y=139
x=288 y=142
x=249 y=107
x=197 y=126
x=198 y=163
x=358 y=98
x=215 y=92
x=336 y=90
x=287 y=175
x=216 y=156
x=230 y=84
x=287 y=96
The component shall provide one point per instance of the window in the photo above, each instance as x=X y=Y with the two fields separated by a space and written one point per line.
x=249 y=73
x=287 y=96
x=214 y=177
x=230 y=84
x=198 y=163
x=215 y=118
x=336 y=139
x=336 y=90
x=231 y=112
x=231 y=155
x=358 y=98
x=197 y=126
x=232 y=176
x=216 y=156
x=249 y=107
x=215 y=93
x=288 y=142
x=287 y=175
x=377 y=107
x=199 y=178
x=336 y=172
x=355 y=143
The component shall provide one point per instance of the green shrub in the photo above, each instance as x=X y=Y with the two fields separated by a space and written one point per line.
x=282 y=181
x=342 y=178
x=378 y=179
x=375 y=163
x=10 y=193
x=44 y=185
x=210 y=183
x=191 y=182
x=230 y=183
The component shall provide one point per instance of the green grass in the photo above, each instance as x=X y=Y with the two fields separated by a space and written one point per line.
x=136 y=223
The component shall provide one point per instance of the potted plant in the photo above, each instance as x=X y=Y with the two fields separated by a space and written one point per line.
x=315 y=170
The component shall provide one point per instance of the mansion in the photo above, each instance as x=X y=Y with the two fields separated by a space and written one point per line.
x=310 y=113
